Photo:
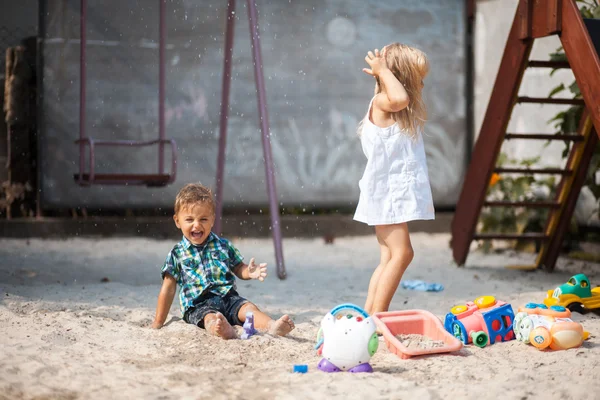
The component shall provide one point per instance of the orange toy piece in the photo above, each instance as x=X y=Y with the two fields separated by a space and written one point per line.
x=545 y=327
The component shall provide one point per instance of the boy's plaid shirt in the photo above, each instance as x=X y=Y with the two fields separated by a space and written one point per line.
x=200 y=269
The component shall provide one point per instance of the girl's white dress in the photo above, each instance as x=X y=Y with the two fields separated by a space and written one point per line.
x=395 y=185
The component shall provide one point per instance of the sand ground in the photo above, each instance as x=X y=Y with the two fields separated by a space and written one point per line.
x=65 y=334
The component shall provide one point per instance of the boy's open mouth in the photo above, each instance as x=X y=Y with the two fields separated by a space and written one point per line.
x=197 y=234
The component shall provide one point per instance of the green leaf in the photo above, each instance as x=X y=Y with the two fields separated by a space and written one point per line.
x=574 y=88
x=558 y=56
x=557 y=89
x=487 y=246
x=559 y=116
x=528 y=162
x=586 y=12
x=502 y=158
x=567 y=121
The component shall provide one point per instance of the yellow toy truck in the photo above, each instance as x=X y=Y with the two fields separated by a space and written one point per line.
x=576 y=295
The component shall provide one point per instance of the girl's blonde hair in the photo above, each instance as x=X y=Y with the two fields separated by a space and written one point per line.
x=410 y=66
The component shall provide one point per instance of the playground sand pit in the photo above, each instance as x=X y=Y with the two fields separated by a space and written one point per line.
x=74 y=317
x=416 y=341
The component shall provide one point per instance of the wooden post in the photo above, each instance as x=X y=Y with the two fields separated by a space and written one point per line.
x=583 y=57
x=3 y=153
x=19 y=107
x=567 y=193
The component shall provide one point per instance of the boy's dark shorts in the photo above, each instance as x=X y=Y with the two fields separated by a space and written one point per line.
x=229 y=305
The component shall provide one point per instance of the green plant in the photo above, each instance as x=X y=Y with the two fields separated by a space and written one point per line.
x=510 y=188
x=589 y=9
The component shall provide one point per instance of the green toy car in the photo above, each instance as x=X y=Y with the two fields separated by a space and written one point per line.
x=576 y=295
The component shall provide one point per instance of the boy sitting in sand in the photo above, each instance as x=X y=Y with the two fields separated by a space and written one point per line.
x=204 y=266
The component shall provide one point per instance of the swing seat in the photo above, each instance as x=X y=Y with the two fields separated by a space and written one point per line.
x=151 y=180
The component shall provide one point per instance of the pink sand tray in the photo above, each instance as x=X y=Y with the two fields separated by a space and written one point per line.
x=421 y=322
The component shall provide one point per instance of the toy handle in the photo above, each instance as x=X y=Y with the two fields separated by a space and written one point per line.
x=320 y=339
x=349 y=306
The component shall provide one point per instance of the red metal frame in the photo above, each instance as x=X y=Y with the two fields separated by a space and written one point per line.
x=91 y=177
x=124 y=179
x=225 y=89
x=264 y=125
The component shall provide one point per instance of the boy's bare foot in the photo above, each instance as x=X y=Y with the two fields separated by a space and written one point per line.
x=220 y=327
x=282 y=326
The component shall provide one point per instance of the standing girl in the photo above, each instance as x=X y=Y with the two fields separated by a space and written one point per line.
x=395 y=186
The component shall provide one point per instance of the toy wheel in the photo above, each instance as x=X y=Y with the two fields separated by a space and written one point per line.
x=485 y=301
x=459 y=309
x=576 y=307
x=480 y=339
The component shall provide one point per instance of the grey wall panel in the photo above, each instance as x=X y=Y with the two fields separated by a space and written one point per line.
x=313 y=55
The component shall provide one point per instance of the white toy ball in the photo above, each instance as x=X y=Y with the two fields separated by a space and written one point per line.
x=347 y=340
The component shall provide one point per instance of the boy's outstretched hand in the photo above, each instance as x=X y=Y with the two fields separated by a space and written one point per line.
x=257 y=271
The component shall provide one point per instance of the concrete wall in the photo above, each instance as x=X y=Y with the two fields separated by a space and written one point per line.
x=313 y=55
x=16 y=23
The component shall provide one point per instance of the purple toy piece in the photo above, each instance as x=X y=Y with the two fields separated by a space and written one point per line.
x=365 y=367
x=248 y=326
x=326 y=366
